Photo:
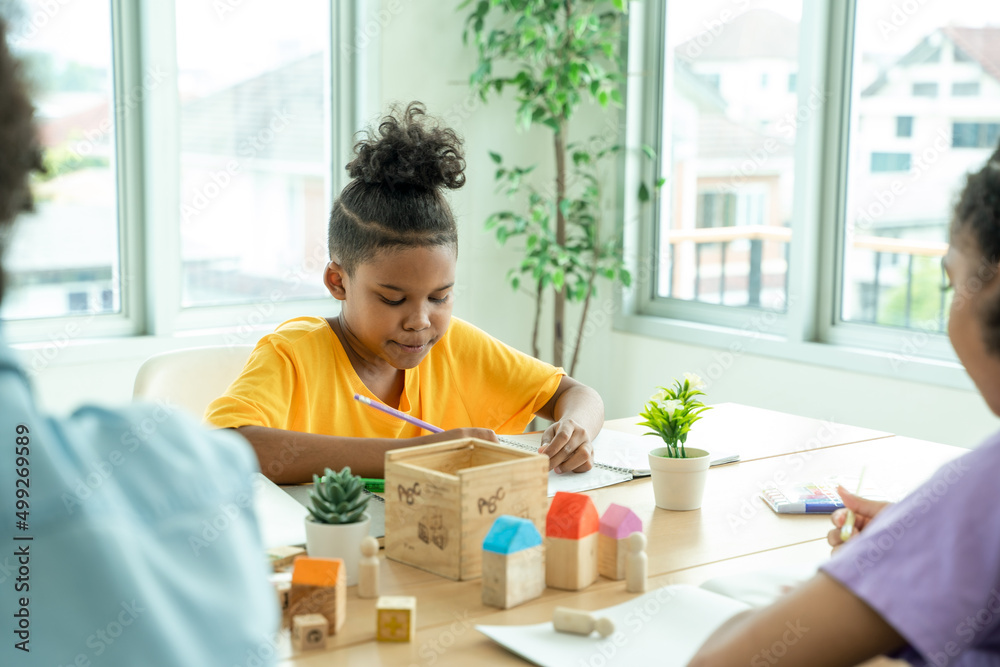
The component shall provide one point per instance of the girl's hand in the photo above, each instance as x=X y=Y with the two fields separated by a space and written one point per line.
x=568 y=447
x=864 y=511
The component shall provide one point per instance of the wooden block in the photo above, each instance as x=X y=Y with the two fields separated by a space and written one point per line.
x=368 y=569
x=283 y=591
x=513 y=563
x=579 y=622
x=617 y=523
x=570 y=564
x=611 y=555
x=395 y=618
x=309 y=632
x=571 y=527
x=319 y=586
x=282 y=584
x=571 y=515
x=511 y=579
x=636 y=564
x=441 y=500
x=282 y=557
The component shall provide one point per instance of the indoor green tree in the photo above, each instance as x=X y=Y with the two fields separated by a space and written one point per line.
x=555 y=55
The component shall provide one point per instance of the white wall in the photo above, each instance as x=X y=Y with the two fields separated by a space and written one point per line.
x=422 y=57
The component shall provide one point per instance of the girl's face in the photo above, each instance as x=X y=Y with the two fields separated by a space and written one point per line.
x=398 y=304
x=975 y=282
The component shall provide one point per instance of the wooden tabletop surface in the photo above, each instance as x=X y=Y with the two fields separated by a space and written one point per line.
x=733 y=532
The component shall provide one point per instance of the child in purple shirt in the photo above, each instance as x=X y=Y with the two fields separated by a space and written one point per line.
x=921 y=580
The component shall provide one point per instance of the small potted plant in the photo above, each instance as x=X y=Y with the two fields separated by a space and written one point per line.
x=337 y=521
x=678 y=472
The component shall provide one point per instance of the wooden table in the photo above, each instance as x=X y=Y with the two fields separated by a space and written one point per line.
x=733 y=532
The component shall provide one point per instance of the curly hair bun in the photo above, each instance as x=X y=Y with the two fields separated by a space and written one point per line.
x=409 y=152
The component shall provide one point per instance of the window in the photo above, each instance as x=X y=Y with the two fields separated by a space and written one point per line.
x=965 y=89
x=223 y=205
x=723 y=234
x=904 y=126
x=847 y=223
x=65 y=258
x=896 y=226
x=883 y=162
x=975 y=135
x=254 y=127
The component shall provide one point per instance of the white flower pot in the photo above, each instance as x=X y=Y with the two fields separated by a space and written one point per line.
x=679 y=484
x=338 y=540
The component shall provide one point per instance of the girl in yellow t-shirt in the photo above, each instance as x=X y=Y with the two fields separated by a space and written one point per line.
x=393 y=246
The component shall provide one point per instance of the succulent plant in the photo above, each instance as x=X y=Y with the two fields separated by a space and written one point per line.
x=338 y=497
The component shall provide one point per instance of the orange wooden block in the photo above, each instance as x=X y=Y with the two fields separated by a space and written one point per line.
x=317 y=571
x=319 y=586
x=571 y=516
x=571 y=542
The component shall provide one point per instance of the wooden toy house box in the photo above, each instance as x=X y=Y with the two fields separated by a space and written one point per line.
x=441 y=500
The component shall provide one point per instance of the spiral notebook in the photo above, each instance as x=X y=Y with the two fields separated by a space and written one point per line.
x=618 y=457
x=574 y=482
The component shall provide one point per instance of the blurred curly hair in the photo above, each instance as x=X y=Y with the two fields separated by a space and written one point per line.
x=20 y=152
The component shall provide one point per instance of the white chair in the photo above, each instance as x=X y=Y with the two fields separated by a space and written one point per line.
x=191 y=378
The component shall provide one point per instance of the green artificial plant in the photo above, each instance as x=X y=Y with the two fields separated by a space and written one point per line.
x=555 y=55
x=338 y=497
x=671 y=413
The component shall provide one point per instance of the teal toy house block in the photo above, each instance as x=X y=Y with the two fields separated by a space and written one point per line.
x=513 y=563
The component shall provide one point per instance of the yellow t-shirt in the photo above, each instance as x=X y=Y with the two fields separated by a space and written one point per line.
x=300 y=379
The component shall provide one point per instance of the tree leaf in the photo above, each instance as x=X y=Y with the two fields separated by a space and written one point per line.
x=496 y=157
x=558 y=279
x=643 y=193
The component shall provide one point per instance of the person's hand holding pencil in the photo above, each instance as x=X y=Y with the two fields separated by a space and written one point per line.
x=863 y=509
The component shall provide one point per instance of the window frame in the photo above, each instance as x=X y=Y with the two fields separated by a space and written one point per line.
x=147 y=173
x=811 y=331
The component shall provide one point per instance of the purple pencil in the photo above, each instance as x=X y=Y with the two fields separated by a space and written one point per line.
x=396 y=413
